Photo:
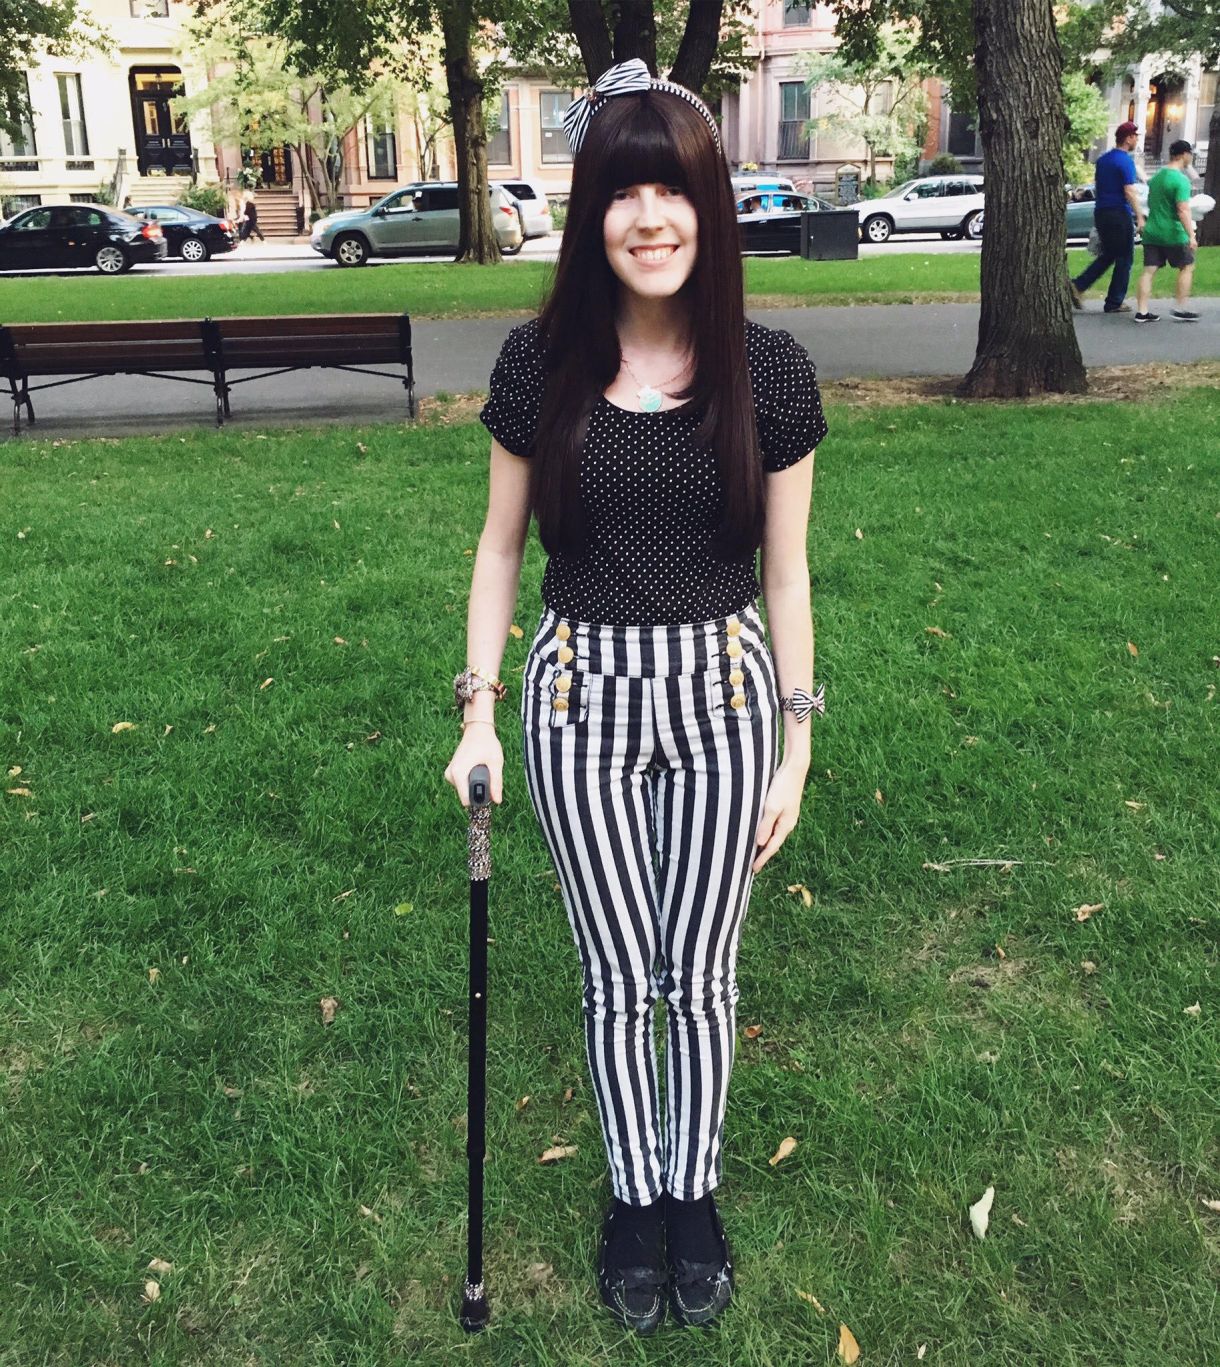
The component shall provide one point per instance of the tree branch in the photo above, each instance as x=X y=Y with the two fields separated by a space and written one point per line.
x=635 y=34
x=700 y=39
x=592 y=36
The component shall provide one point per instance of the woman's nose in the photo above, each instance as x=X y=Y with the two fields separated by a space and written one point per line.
x=648 y=208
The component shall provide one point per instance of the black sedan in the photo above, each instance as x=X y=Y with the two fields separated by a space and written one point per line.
x=53 y=236
x=189 y=233
x=771 y=221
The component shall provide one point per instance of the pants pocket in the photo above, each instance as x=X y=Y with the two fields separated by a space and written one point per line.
x=730 y=694
x=564 y=696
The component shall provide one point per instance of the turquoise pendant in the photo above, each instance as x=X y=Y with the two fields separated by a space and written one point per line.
x=650 y=399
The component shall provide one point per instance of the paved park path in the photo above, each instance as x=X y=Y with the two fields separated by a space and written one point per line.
x=456 y=356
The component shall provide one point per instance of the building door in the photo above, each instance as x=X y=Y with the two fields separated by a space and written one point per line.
x=163 y=141
x=276 y=166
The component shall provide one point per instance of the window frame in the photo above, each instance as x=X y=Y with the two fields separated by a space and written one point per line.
x=504 y=131
x=26 y=143
x=562 y=156
x=375 y=132
x=69 y=83
x=796 y=15
x=805 y=96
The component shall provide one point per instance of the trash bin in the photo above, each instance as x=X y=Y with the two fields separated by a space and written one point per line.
x=830 y=235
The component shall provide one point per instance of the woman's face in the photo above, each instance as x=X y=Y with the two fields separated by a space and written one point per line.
x=651 y=238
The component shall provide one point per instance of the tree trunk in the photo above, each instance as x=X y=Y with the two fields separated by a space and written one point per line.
x=635 y=33
x=592 y=37
x=476 y=237
x=1209 y=230
x=1027 y=343
x=700 y=38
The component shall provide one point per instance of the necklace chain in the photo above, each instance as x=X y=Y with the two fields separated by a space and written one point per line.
x=650 y=396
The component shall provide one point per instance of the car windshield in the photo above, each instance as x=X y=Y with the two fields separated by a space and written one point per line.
x=898 y=190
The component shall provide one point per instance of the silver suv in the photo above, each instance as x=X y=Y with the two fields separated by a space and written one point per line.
x=949 y=205
x=417 y=218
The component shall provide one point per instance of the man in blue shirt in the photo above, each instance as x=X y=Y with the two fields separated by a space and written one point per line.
x=1116 y=215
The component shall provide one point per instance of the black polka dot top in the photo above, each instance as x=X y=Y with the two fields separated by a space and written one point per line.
x=651 y=493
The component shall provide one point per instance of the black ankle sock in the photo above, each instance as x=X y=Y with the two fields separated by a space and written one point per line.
x=689 y=1229
x=635 y=1233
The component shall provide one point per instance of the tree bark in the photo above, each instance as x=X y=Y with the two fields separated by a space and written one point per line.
x=1027 y=342
x=700 y=39
x=592 y=36
x=476 y=236
x=635 y=33
x=1209 y=229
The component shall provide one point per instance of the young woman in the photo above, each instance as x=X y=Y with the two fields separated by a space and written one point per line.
x=659 y=440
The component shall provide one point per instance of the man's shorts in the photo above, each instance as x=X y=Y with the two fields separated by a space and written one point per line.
x=1177 y=256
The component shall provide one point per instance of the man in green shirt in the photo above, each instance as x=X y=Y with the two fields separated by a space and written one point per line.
x=1169 y=234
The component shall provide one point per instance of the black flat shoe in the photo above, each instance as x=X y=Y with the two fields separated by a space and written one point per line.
x=699 y=1292
x=634 y=1295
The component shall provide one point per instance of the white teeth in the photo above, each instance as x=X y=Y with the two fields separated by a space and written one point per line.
x=654 y=253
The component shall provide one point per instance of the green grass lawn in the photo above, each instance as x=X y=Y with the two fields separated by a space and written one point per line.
x=1019 y=648
x=448 y=291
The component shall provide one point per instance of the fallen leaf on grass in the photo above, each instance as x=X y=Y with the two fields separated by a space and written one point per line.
x=1211 y=1205
x=813 y=1300
x=523 y=1103
x=806 y=895
x=859 y=534
x=122 y=726
x=980 y=1213
x=752 y=1031
x=568 y=1094
x=1194 y=1010
x=154 y=975
x=403 y=909
x=19 y=792
x=1016 y=1219
x=339 y=641
x=1087 y=909
x=343 y=896
x=160 y=1265
x=231 y=1092
x=540 y=1272
x=370 y=1214
x=1135 y=806
x=1088 y=966
x=88 y=816
x=878 y=796
x=848 y=1349
x=266 y=683
x=558 y=1152
x=152 y=1291
x=937 y=631
x=516 y=631
x=786 y=1146
x=14 y=771
x=329 y=1006
x=1132 y=649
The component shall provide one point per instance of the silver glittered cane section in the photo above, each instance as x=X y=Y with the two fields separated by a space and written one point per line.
x=479 y=844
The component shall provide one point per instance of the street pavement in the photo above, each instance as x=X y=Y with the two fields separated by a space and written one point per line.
x=456 y=356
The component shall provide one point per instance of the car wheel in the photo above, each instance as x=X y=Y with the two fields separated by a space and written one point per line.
x=194 y=250
x=350 y=250
x=973 y=226
x=512 y=251
x=877 y=228
x=111 y=260
x=952 y=235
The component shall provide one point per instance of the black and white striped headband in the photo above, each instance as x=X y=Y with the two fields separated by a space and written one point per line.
x=626 y=78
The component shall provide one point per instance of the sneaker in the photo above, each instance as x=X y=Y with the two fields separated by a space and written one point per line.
x=1077 y=297
x=1185 y=316
x=1118 y=308
x=1146 y=317
x=634 y=1295
x=699 y=1292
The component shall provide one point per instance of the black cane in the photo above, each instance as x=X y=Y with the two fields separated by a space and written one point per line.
x=476 y=1309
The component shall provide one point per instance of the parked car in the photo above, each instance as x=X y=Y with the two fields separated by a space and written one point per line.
x=53 y=236
x=535 y=209
x=190 y=233
x=771 y=221
x=743 y=184
x=949 y=205
x=421 y=217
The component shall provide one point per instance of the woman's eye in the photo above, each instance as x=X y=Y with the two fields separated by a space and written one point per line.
x=674 y=190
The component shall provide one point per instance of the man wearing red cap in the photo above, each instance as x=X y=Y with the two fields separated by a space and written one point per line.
x=1117 y=215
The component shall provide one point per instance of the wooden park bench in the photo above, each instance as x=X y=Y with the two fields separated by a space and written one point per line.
x=213 y=346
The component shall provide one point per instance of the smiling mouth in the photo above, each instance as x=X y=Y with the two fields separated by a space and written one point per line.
x=653 y=254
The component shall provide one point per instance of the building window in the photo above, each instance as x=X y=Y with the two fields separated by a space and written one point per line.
x=22 y=145
x=962 y=140
x=499 y=138
x=381 y=148
x=551 y=107
x=793 y=121
x=72 y=113
x=12 y=205
x=795 y=15
x=1207 y=102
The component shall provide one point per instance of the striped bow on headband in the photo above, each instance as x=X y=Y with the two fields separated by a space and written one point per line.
x=625 y=78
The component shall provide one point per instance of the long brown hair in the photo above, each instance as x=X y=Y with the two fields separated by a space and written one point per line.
x=641 y=139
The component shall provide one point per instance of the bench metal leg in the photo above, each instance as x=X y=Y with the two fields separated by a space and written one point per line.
x=21 y=399
x=221 y=389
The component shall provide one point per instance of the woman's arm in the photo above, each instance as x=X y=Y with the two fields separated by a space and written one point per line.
x=785 y=586
x=493 y=596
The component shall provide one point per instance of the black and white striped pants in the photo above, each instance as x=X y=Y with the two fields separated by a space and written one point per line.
x=648 y=753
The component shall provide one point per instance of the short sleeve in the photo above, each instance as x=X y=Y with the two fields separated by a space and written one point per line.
x=787 y=403
x=1128 y=165
x=515 y=392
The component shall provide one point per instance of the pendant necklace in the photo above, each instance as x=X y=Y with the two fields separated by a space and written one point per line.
x=648 y=396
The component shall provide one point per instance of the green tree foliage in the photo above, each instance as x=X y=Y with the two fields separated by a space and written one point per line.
x=30 y=29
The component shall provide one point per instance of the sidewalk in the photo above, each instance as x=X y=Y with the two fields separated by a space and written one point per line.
x=456 y=356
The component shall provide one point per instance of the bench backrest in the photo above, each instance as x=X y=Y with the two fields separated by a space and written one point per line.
x=303 y=339
x=107 y=348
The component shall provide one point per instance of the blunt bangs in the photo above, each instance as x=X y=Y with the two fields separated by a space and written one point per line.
x=640 y=150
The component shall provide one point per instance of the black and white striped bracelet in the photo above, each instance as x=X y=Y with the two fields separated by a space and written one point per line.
x=801 y=704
